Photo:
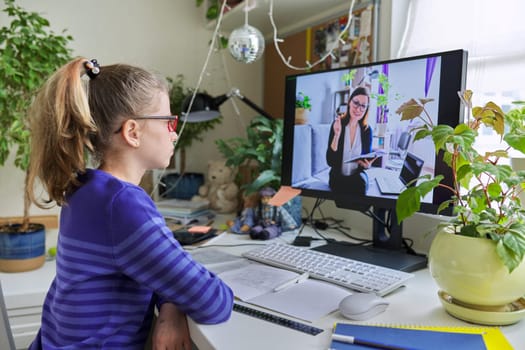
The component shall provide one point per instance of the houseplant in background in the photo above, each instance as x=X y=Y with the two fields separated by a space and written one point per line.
x=29 y=53
x=303 y=104
x=477 y=258
x=212 y=13
x=192 y=131
x=382 y=98
x=258 y=157
x=348 y=77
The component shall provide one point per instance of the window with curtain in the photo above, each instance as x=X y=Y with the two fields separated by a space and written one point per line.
x=491 y=31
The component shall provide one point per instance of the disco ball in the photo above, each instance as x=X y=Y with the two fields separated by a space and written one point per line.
x=246 y=44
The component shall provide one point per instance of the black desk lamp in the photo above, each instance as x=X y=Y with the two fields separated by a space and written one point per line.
x=206 y=108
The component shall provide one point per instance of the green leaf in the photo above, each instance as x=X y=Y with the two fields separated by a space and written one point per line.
x=516 y=140
x=494 y=190
x=29 y=53
x=509 y=257
x=410 y=110
x=407 y=203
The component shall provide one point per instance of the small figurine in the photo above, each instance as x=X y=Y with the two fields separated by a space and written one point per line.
x=246 y=220
x=270 y=219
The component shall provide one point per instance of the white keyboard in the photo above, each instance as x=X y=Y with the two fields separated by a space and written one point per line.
x=353 y=274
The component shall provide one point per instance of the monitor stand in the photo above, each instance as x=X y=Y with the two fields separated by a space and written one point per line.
x=387 y=249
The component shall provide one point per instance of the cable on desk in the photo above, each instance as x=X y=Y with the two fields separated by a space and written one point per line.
x=329 y=223
x=387 y=223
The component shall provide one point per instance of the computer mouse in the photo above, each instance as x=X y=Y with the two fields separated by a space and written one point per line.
x=362 y=306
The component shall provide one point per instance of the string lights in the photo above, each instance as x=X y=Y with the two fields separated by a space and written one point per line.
x=277 y=41
x=245 y=42
x=287 y=61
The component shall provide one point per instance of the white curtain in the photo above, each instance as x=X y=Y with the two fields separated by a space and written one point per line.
x=493 y=33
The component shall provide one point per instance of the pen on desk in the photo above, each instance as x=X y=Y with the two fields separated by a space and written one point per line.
x=348 y=339
x=287 y=284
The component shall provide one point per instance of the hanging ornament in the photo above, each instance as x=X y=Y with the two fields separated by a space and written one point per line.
x=246 y=44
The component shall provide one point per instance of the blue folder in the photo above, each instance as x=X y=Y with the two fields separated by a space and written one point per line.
x=408 y=338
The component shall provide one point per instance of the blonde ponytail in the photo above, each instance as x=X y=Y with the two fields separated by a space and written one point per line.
x=61 y=125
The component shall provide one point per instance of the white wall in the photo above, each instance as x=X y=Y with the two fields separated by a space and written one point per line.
x=170 y=36
x=165 y=35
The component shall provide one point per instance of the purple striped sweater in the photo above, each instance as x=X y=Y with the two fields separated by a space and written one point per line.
x=116 y=259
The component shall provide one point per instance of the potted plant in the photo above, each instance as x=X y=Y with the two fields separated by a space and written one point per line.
x=348 y=77
x=477 y=258
x=258 y=157
x=212 y=13
x=303 y=103
x=29 y=53
x=382 y=98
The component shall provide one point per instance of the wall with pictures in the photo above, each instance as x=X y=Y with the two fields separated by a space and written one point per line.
x=315 y=42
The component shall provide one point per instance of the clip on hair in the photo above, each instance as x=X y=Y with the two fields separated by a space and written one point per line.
x=92 y=68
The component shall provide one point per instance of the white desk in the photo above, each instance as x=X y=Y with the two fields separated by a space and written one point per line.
x=417 y=303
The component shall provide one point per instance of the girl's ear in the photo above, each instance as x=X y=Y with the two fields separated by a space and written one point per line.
x=131 y=132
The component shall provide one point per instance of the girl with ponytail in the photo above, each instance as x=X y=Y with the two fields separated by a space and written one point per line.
x=95 y=131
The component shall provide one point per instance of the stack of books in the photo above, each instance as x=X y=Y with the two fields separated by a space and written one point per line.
x=185 y=211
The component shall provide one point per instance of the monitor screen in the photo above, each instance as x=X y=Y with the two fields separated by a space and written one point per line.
x=352 y=147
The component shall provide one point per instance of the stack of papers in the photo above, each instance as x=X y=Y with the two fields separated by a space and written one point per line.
x=259 y=284
x=185 y=211
x=255 y=283
x=169 y=207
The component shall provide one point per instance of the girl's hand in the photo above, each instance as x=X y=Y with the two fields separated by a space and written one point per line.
x=171 y=329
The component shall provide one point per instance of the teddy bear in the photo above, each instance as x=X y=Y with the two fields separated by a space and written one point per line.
x=220 y=188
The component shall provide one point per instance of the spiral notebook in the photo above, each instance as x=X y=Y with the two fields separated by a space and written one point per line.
x=425 y=337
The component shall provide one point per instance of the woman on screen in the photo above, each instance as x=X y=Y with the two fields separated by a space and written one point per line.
x=350 y=137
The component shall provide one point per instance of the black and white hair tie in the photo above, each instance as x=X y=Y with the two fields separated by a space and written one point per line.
x=92 y=68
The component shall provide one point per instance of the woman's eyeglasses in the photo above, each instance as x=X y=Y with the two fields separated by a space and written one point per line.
x=172 y=121
x=359 y=105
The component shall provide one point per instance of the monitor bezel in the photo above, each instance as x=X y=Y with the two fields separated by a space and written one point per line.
x=450 y=112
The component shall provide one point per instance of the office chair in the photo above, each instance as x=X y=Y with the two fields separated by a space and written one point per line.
x=396 y=156
x=6 y=337
x=402 y=146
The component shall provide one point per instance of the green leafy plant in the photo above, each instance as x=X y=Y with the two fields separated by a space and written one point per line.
x=382 y=98
x=29 y=53
x=212 y=13
x=192 y=131
x=485 y=192
x=303 y=101
x=261 y=150
x=348 y=76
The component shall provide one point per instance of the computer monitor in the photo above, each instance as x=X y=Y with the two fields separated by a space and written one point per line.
x=307 y=163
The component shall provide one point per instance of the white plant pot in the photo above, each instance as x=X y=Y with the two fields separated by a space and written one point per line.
x=475 y=285
x=469 y=270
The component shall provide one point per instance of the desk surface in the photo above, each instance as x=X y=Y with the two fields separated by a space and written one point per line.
x=415 y=304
